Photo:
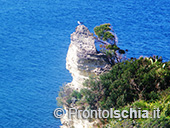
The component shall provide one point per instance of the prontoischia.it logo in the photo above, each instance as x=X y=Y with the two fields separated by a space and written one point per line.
x=86 y=114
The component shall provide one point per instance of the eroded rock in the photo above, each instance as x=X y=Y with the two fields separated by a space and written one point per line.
x=83 y=59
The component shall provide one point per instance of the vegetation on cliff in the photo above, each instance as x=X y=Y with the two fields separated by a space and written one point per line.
x=137 y=83
x=163 y=103
x=108 y=39
x=133 y=83
x=127 y=82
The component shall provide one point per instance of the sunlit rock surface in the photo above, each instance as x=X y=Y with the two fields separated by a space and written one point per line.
x=82 y=61
x=82 y=57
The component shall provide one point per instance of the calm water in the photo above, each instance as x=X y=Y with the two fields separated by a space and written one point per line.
x=34 y=39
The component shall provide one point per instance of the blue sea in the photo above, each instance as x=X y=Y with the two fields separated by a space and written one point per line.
x=34 y=39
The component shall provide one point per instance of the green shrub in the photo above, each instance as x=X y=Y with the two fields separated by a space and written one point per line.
x=69 y=101
x=128 y=81
x=64 y=96
x=163 y=122
x=76 y=94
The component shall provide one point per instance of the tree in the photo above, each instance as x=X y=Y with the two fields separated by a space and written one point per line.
x=108 y=39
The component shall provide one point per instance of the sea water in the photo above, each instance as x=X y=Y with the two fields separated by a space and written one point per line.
x=34 y=39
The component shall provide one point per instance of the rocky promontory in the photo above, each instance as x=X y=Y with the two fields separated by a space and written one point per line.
x=83 y=60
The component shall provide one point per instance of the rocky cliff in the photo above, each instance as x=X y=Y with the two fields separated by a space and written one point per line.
x=82 y=57
x=82 y=61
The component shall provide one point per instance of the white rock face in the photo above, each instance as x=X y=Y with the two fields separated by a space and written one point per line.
x=82 y=57
x=82 y=60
